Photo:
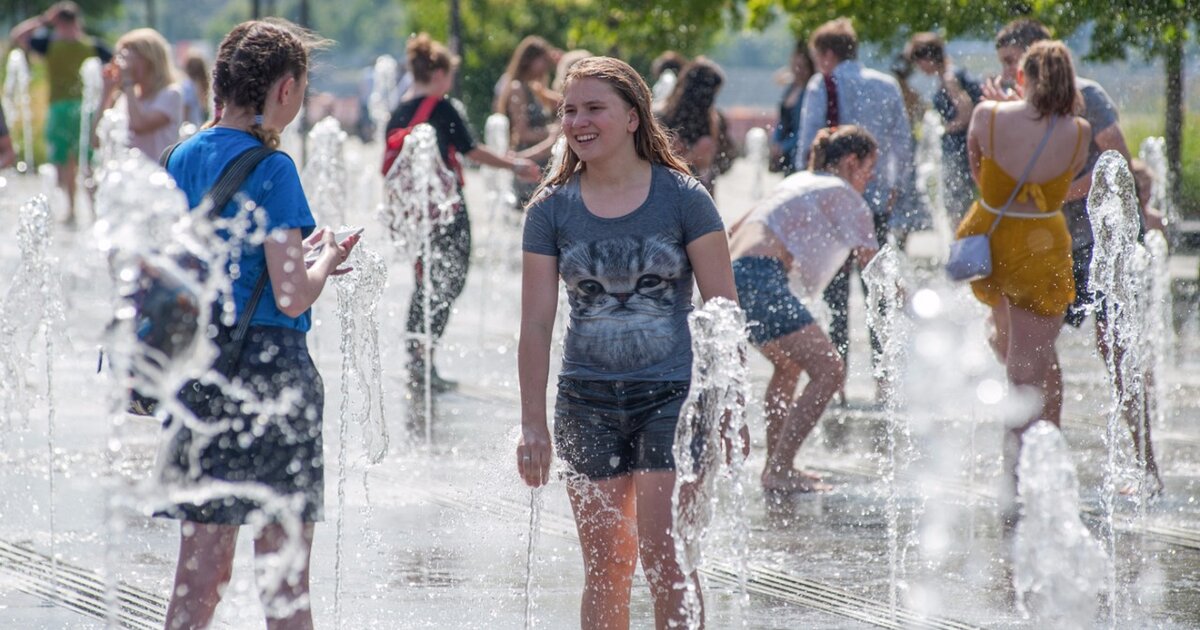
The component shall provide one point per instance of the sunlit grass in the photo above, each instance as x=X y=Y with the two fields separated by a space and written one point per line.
x=1138 y=126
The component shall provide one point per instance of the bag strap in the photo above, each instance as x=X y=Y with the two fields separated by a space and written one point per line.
x=424 y=111
x=231 y=179
x=1028 y=168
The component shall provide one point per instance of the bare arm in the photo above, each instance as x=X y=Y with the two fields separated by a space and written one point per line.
x=541 y=150
x=963 y=105
x=141 y=118
x=7 y=155
x=863 y=255
x=1108 y=139
x=709 y=256
x=539 y=301
x=979 y=124
x=23 y=32
x=296 y=286
x=526 y=170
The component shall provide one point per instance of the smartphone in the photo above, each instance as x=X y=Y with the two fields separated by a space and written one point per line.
x=338 y=236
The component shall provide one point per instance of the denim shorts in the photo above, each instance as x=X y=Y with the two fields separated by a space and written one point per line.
x=772 y=310
x=608 y=428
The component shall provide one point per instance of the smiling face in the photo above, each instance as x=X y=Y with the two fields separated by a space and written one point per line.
x=597 y=122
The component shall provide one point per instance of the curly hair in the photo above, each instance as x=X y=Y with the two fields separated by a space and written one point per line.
x=251 y=58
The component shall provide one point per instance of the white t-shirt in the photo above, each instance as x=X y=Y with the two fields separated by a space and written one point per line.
x=820 y=219
x=169 y=101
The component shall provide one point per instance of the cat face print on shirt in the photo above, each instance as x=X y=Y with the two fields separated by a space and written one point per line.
x=623 y=293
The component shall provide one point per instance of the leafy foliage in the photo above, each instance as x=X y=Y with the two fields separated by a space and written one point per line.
x=636 y=32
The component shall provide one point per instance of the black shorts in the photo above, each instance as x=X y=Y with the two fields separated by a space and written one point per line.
x=608 y=428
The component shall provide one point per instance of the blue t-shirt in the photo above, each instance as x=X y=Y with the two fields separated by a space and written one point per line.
x=628 y=279
x=274 y=186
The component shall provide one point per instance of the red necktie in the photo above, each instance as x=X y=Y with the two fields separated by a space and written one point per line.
x=831 y=101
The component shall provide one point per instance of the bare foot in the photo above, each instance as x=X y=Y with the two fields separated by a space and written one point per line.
x=1153 y=492
x=808 y=474
x=794 y=481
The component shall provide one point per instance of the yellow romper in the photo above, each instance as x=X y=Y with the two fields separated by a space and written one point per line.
x=1031 y=256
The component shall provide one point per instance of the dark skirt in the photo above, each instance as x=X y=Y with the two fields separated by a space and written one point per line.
x=269 y=460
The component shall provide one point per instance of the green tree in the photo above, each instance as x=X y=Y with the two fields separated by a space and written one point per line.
x=636 y=32
x=1157 y=28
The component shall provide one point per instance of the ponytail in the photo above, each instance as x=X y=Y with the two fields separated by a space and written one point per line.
x=1050 y=78
x=834 y=143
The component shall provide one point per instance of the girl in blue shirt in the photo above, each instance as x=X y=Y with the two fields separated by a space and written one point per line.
x=265 y=466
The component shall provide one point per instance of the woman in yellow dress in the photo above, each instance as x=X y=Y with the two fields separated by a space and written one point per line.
x=1031 y=283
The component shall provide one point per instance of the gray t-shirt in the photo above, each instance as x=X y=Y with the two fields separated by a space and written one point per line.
x=1101 y=113
x=628 y=279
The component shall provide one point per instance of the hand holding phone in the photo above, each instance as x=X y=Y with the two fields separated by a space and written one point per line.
x=339 y=236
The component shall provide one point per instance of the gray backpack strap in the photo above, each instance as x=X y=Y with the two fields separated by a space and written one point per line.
x=222 y=192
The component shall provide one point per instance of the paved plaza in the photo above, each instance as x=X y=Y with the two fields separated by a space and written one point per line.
x=437 y=534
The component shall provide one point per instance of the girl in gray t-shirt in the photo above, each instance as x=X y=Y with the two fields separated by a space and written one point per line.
x=627 y=230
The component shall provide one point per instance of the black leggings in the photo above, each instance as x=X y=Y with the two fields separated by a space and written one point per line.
x=837 y=297
x=449 y=261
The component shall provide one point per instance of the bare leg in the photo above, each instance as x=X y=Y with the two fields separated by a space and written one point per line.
x=605 y=519
x=1033 y=366
x=808 y=350
x=668 y=585
x=1136 y=416
x=292 y=595
x=66 y=181
x=204 y=568
x=781 y=390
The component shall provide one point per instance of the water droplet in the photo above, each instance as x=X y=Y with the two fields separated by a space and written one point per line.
x=990 y=391
x=927 y=303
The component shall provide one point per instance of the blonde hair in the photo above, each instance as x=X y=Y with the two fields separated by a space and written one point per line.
x=652 y=142
x=1049 y=78
x=152 y=47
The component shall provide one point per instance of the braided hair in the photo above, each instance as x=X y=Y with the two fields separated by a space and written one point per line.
x=251 y=58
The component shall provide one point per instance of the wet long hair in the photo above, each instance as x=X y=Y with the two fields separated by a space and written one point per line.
x=528 y=51
x=1049 y=78
x=688 y=111
x=834 y=143
x=652 y=142
x=251 y=58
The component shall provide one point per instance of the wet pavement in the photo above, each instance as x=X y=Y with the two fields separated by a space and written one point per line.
x=436 y=535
